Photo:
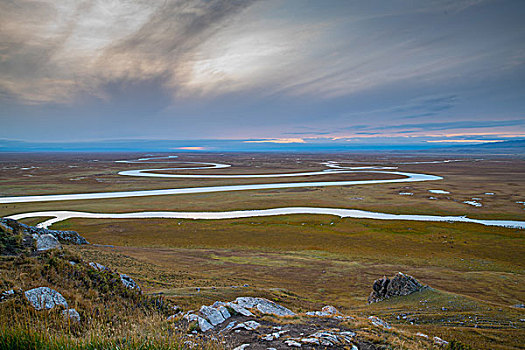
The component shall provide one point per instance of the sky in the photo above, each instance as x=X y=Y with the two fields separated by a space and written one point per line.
x=398 y=72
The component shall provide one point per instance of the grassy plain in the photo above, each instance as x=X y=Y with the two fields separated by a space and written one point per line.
x=477 y=272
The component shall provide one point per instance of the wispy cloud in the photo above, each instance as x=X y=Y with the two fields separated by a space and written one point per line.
x=467 y=124
x=463 y=141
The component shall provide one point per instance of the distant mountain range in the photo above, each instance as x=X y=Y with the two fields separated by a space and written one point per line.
x=515 y=147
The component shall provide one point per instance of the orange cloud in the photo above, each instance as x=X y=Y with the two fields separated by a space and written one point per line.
x=465 y=141
x=191 y=148
x=283 y=140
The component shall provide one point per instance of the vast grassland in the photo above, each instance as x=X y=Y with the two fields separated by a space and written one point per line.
x=477 y=272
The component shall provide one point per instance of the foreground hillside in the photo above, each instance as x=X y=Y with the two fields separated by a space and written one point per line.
x=53 y=298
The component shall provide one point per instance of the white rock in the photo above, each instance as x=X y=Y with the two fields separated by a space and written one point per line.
x=46 y=242
x=239 y=309
x=45 y=298
x=326 y=338
x=313 y=341
x=242 y=347
x=213 y=315
x=246 y=302
x=273 y=336
x=7 y=294
x=265 y=306
x=228 y=327
x=347 y=335
x=98 y=267
x=71 y=314
x=224 y=312
x=318 y=313
x=292 y=343
x=422 y=335
x=330 y=310
x=204 y=325
x=128 y=282
x=440 y=341
x=190 y=344
x=248 y=325
x=376 y=321
x=190 y=317
x=217 y=304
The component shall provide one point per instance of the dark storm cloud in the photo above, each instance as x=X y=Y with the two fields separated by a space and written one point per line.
x=260 y=70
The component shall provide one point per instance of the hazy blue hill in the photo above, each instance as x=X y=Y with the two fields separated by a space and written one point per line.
x=516 y=147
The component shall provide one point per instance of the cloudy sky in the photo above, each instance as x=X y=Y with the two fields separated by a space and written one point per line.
x=408 y=71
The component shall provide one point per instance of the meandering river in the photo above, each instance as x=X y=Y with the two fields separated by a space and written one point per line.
x=334 y=168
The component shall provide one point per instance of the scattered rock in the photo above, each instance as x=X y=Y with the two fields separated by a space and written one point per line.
x=325 y=311
x=242 y=347
x=311 y=341
x=190 y=344
x=273 y=336
x=128 y=282
x=376 y=321
x=292 y=343
x=46 y=242
x=7 y=294
x=45 y=298
x=248 y=325
x=326 y=338
x=440 y=341
x=399 y=285
x=330 y=309
x=71 y=314
x=98 y=267
x=521 y=306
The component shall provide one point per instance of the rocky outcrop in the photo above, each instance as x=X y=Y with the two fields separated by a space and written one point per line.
x=43 y=298
x=246 y=325
x=399 y=285
x=68 y=237
x=46 y=242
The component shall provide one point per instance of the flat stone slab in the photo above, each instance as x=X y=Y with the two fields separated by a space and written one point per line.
x=44 y=298
x=46 y=242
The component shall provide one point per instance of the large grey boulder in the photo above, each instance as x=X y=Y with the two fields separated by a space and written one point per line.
x=213 y=315
x=264 y=306
x=128 y=282
x=46 y=242
x=204 y=325
x=399 y=285
x=45 y=298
